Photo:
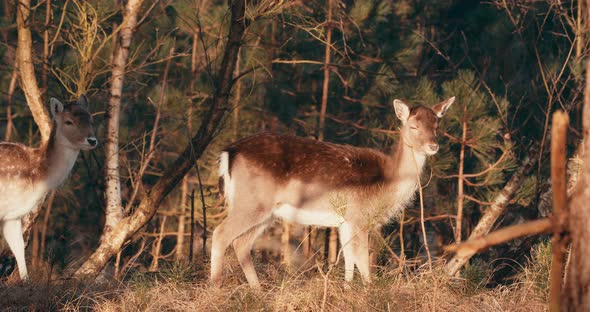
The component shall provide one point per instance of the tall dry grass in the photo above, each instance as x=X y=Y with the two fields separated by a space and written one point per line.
x=178 y=288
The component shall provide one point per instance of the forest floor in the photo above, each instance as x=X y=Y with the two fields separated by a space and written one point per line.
x=177 y=288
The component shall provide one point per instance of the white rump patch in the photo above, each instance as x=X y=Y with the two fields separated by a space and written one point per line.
x=228 y=184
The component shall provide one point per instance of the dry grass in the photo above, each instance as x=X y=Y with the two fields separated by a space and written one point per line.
x=185 y=289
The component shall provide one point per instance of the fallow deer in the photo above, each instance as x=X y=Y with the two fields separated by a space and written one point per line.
x=27 y=174
x=304 y=181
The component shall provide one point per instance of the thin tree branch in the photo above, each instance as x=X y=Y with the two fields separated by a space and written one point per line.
x=173 y=175
x=475 y=245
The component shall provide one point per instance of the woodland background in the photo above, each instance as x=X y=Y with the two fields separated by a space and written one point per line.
x=324 y=69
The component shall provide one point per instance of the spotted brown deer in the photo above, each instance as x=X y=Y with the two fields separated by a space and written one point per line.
x=304 y=181
x=27 y=174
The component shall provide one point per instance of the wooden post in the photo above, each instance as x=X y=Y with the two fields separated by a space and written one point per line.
x=560 y=211
x=576 y=296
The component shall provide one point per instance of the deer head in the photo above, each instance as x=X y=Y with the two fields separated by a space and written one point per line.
x=73 y=124
x=419 y=125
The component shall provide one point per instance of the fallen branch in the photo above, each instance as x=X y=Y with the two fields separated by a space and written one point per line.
x=493 y=212
x=473 y=246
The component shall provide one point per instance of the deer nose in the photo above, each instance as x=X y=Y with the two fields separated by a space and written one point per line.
x=92 y=141
x=433 y=147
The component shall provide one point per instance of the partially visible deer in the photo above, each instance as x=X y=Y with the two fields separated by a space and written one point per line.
x=27 y=174
x=304 y=181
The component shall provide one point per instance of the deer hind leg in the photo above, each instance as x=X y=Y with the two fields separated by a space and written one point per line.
x=346 y=240
x=242 y=246
x=231 y=228
x=360 y=248
x=12 y=232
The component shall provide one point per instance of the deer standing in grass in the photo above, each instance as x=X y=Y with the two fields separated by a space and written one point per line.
x=27 y=174
x=304 y=181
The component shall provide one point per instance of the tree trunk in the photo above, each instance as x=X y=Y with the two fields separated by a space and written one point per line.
x=46 y=222
x=24 y=56
x=460 y=178
x=577 y=287
x=333 y=239
x=559 y=242
x=157 y=246
x=285 y=246
x=35 y=247
x=172 y=176
x=237 y=99
x=179 y=255
x=114 y=208
x=46 y=48
x=10 y=95
x=28 y=82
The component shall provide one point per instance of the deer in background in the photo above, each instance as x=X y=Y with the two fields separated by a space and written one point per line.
x=27 y=174
x=304 y=181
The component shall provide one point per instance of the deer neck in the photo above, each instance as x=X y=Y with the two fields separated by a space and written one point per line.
x=58 y=159
x=407 y=162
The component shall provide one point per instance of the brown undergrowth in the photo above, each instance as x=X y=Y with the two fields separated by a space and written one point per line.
x=178 y=288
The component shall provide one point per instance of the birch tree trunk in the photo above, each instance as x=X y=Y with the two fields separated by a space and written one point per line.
x=179 y=255
x=211 y=120
x=114 y=207
x=28 y=83
x=24 y=56
x=576 y=296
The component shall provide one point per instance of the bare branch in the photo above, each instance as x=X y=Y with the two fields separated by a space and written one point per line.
x=493 y=212
x=475 y=245
x=174 y=174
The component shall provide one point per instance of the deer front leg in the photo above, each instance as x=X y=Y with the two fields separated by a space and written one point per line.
x=12 y=232
x=346 y=240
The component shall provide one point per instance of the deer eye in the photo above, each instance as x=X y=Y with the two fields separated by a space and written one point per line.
x=413 y=127
x=69 y=123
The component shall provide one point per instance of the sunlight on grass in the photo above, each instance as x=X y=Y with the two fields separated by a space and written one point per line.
x=184 y=288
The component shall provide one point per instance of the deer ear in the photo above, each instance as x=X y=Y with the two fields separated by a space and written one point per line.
x=83 y=101
x=402 y=110
x=55 y=107
x=441 y=108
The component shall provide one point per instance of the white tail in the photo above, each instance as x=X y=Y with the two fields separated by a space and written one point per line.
x=315 y=183
x=27 y=174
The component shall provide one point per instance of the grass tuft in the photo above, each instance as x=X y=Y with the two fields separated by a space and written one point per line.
x=183 y=288
x=536 y=273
